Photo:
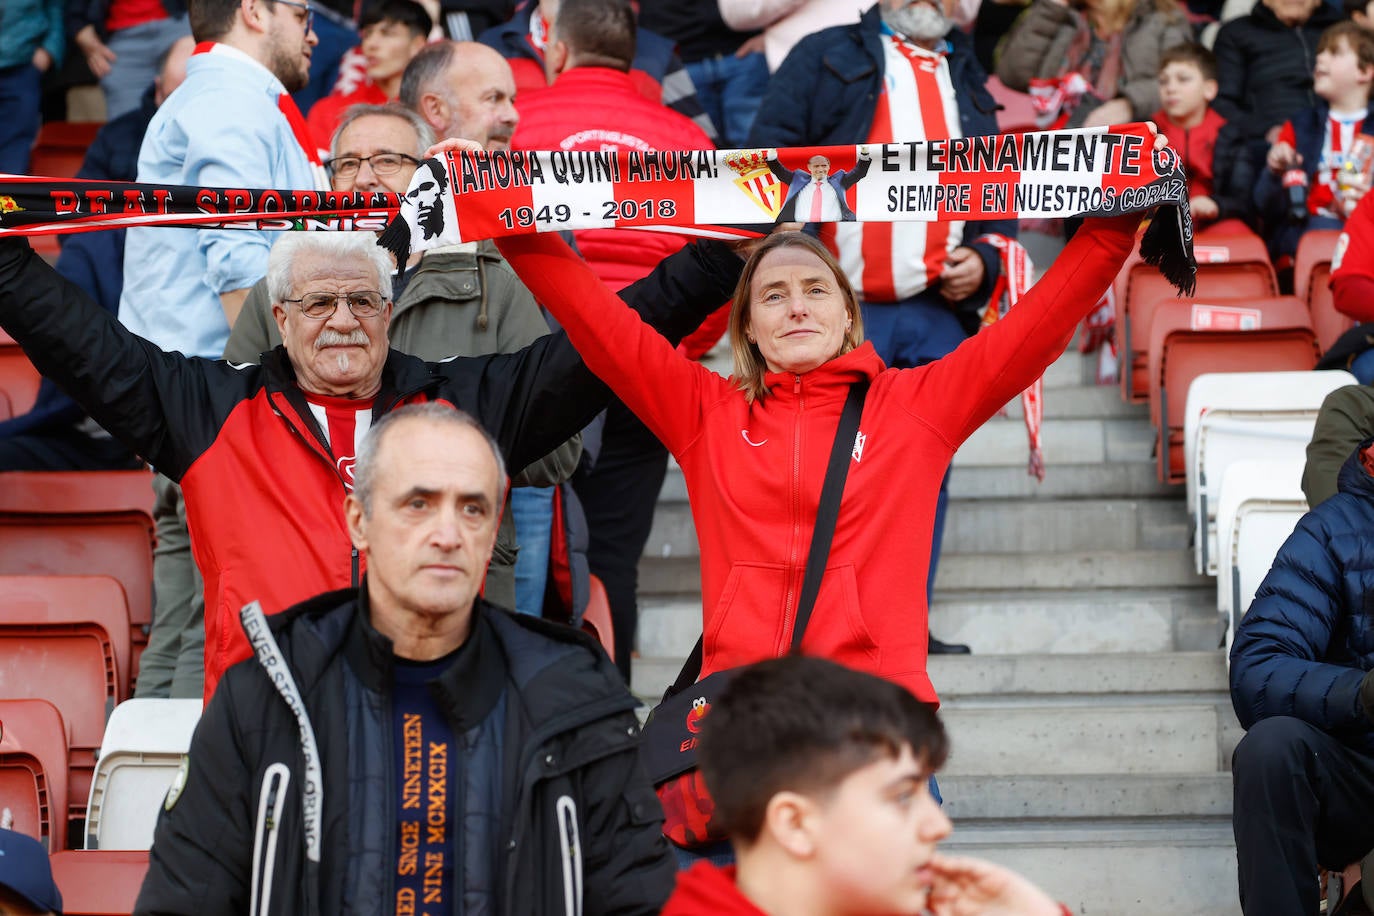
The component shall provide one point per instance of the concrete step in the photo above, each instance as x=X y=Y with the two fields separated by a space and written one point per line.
x=1180 y=867
x=972 y=799
x=1053 y=622
x=1002 y=526
x=1104 y=736
x=1080 y=402
x=1078 y=621
x=1110 y=480
x=1104 y=569
x=1064 y=441
x=1002 y=679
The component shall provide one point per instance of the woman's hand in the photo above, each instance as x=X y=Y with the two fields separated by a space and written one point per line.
x=453 y=145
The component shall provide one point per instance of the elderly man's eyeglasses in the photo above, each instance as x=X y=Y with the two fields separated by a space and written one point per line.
x=346 y=167
x=309 y=13
x=363 y=304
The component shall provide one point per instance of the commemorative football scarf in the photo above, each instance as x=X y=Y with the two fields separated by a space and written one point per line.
x=461 y=197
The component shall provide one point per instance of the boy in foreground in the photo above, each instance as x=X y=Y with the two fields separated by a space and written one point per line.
x=821 y=776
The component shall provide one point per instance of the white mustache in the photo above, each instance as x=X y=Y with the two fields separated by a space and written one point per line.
x=332 y=338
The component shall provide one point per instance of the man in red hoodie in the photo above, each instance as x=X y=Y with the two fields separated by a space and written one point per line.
x=821 y=776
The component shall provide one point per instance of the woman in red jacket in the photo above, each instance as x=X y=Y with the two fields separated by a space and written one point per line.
x=754 y=447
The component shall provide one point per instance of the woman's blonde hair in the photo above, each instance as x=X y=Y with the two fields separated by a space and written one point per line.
x=750 y=367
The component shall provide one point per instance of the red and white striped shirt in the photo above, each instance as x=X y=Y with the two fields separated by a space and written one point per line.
x=1338 y=139
x=344 y=421
x=888 y=262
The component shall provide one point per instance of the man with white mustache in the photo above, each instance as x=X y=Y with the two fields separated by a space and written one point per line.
x=901 y=73
x=264 y=453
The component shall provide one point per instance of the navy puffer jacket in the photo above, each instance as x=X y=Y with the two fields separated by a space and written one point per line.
x=1308 y=639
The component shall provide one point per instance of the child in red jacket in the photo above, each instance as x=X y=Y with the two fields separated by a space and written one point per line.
x=821 y=776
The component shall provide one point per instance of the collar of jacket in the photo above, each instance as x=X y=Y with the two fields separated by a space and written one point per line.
x=468 y=688
x=834 y=376
x=1353 y=477
x=403 y=376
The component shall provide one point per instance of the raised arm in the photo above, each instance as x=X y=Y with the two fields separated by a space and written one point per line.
x=163 y=406
x=663 y=388
x=957 y=394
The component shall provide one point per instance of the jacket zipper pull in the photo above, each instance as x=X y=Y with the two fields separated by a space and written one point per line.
x=355 y=567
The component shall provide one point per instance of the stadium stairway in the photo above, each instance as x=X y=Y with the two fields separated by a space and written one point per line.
x=1091 y=730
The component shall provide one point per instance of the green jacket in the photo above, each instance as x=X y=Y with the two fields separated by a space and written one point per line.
x=1346 y=419
x=457 y=303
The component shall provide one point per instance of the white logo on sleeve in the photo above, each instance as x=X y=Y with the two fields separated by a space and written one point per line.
x=859 y=440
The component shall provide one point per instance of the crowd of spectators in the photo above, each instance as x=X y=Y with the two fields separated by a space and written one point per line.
x=215 y=356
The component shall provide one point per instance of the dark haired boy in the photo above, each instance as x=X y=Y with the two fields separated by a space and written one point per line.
x=821 y=777
x=1187 y=86
x=392 y=32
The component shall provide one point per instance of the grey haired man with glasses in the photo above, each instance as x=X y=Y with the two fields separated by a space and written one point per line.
x=462 y=300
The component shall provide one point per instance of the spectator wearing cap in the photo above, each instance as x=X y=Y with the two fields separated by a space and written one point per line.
x=26 y=884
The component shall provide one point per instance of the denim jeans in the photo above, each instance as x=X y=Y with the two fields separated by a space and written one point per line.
x=137 y=52
x=531 y=509
x=730 y=89
x=19 y=116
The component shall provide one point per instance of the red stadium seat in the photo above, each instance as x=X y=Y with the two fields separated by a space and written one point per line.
x=1315 y=248
x=596 y=619
x=92 y=609
x=58 y=153
x=1192 y=337
x=33 y=770
x=1229 y=267
x=82 y=523
x=99 y=882
x=1328 y=323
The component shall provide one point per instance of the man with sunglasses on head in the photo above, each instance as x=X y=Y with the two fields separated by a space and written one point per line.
x=231 y=124
x=457 y=300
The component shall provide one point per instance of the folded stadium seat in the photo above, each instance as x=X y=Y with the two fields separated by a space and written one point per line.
x=1328 y=323
x=1191 y=337
x=596 y=619
x=33 y=770
x=1260 y=504
x=18 y=379
x=142 y=752
x=58 y=153
x=83 y=523
x=71 y=660
x=1315 y=248
x=99 y=882
x=1232 y=268
x=91 y=609
x=1233 y=416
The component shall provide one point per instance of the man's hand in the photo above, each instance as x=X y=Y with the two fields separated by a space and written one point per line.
x=453 y=144
x=1114 y=111
x=1204 y=207
x=745 y=248
x=972 y=887
x=98 y=55
x=752 y=46
x=963 y=274
x=864 y=153
x=42 y=60
x=1282 y=157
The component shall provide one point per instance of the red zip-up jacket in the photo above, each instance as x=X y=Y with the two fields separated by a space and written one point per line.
x=754 y=471
x=264 y=500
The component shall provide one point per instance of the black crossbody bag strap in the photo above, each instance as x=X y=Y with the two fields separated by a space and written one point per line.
x=832 y=490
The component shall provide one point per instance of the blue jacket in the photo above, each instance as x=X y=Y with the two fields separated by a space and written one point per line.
x=1308 y=639
x=26 y=26
x=1271 y=201
x=826 y=92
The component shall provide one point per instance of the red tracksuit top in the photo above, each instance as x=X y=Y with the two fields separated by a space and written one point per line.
x=754 y=471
